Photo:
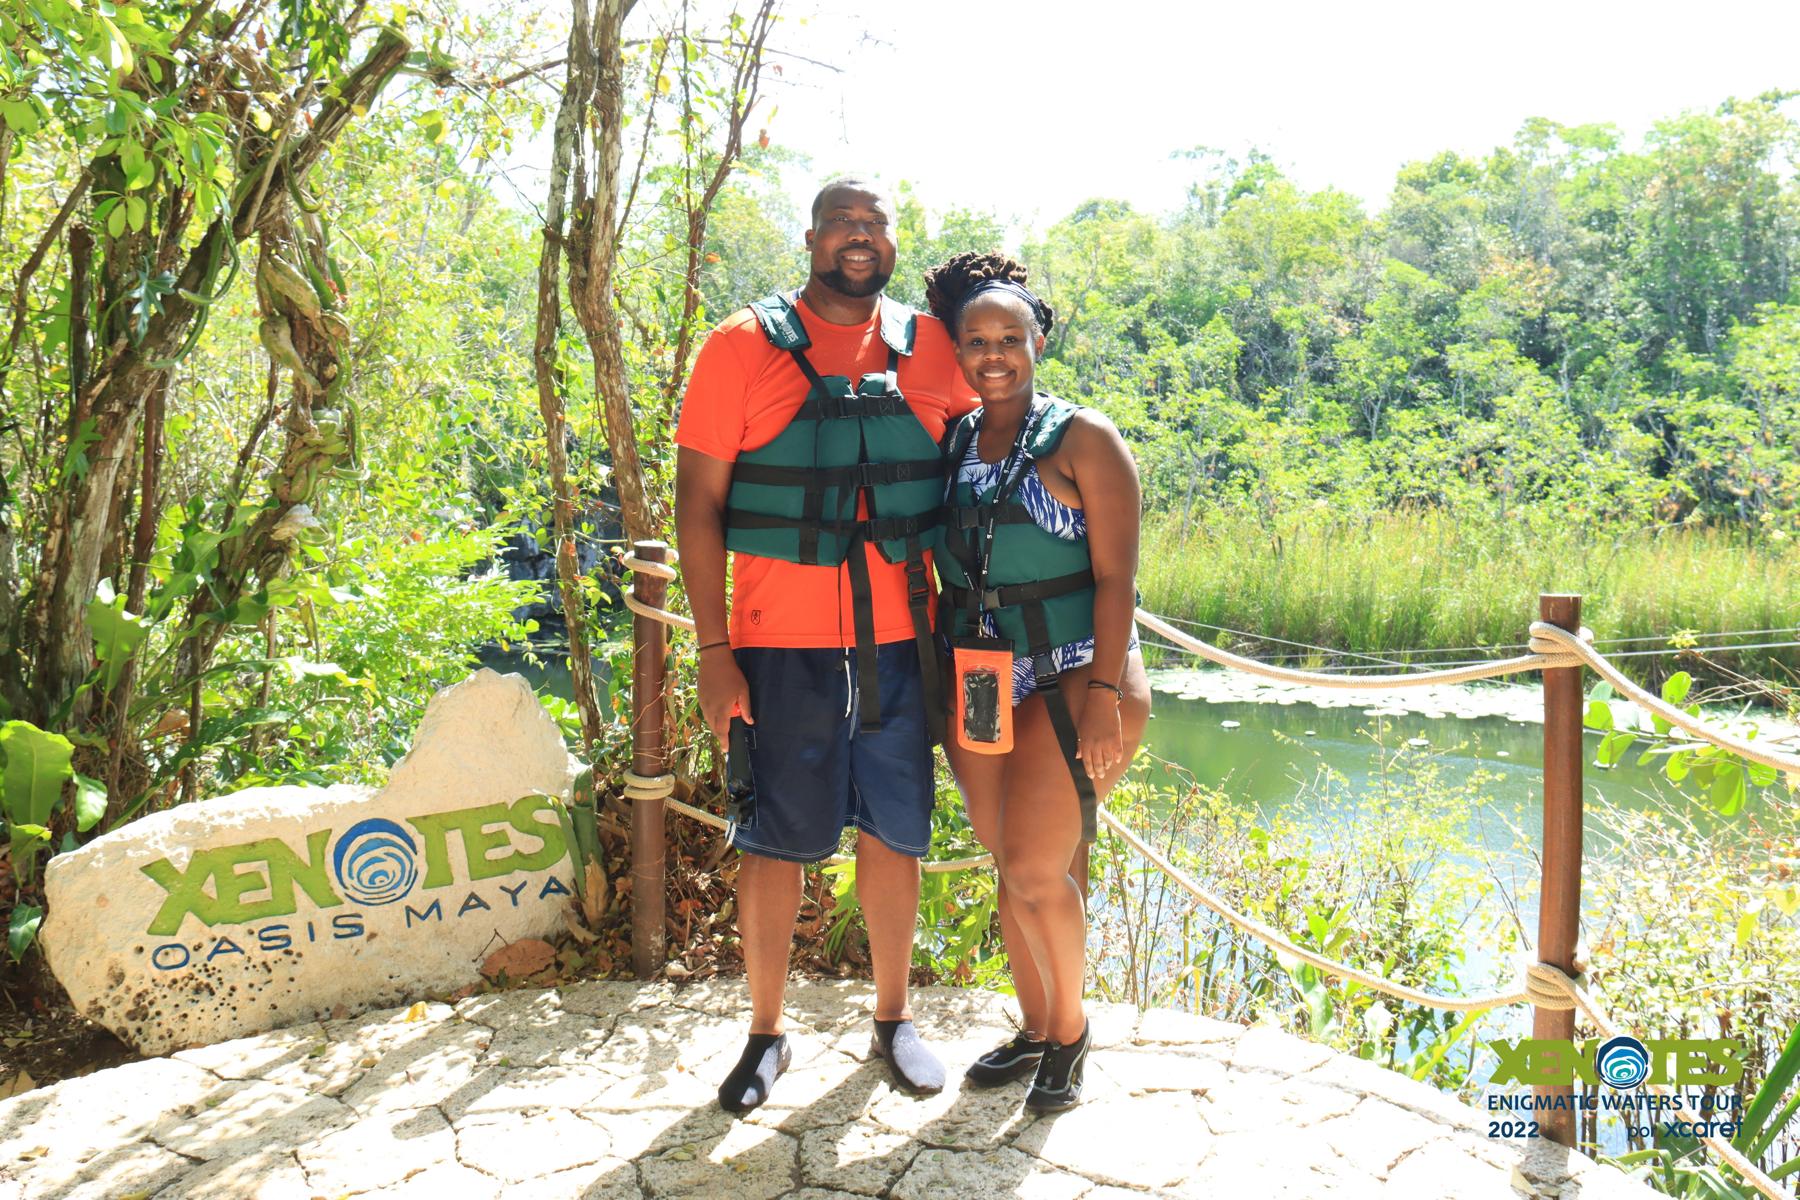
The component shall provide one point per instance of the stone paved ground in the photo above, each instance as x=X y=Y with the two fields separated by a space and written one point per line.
x=604 y=1091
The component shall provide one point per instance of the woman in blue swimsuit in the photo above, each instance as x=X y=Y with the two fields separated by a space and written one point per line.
x=1081 y=486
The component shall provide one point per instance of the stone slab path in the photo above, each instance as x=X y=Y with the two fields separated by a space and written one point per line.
x=604 y=1091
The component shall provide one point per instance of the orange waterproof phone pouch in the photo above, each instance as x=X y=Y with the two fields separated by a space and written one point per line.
x=983 y=680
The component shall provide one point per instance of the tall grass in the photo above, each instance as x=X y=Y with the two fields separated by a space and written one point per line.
x=1401 y=582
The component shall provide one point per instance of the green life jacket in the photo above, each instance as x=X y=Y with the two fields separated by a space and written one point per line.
x=795 y=499
x=1038 y=587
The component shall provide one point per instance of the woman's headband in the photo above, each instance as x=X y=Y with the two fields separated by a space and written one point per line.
x=1040 y=311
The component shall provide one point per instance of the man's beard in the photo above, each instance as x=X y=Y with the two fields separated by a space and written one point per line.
x=838 y=282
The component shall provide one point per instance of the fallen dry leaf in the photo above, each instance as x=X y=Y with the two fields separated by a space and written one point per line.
x=416 y=1012
x=22 y=1082
x=516 y=960
x=594 y=905
x=576 y=929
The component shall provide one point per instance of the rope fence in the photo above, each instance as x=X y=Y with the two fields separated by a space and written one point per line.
x=1546 y=986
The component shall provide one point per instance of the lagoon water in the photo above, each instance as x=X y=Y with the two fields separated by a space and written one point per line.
x=1271 y=748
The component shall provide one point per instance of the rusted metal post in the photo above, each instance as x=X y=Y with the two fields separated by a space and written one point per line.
x=649 y=758
x=1559 y=898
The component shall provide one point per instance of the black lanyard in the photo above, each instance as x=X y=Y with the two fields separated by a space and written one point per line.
x=1001 y=491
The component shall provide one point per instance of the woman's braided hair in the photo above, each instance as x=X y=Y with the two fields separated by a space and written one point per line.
x=949 y=285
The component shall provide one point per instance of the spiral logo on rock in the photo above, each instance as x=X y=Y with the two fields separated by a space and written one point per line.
x=1623 y=1062
x=375 y=862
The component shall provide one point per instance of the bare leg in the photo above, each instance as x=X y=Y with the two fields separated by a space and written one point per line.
x=768 y=894
x=887 y=886
x=1040 y=833
x=1040 y=827
x=980 y=777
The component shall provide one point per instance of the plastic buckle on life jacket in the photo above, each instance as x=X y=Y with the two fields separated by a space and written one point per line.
x=918 y=588
x=1043 y=667
x=875 y=474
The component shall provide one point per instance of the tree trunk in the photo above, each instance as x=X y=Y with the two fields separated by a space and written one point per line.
x=572 y=120
x=593 y=250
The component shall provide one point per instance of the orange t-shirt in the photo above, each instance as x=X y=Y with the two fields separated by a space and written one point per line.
x=742 y=395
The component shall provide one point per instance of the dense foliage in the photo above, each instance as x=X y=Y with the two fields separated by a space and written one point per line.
x=285 y=432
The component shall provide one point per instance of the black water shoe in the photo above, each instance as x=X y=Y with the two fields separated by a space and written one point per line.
x=1058 y=1082
x=766 y=1056
x=914 y=1067
x=1018 y=1059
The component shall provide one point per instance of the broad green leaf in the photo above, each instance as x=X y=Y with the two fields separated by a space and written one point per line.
x=1786 y=897
x=22 y=929
x=37 y=765
x=1746 y=929
x=90 y=802
x=123 y=60
x=1613 y=747
x=1728 y=789
x=299 y=668
x=1602 y=691
x=117 y=633
x=1675 y=688
x=1754 y=1137
x=19 y=116
x=1599 y=715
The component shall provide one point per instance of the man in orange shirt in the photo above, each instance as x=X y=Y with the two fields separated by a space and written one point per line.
x=807 y=444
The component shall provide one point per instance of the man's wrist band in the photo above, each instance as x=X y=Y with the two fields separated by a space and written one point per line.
x=1114 y=688
x=714 y=645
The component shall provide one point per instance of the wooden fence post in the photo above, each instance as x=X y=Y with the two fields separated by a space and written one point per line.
x=1559 y=898
x=649 y=757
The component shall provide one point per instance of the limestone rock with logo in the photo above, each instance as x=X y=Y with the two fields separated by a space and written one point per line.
x=279 y=905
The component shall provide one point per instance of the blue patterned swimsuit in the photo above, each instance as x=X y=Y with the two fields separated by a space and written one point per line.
x=1052 y=516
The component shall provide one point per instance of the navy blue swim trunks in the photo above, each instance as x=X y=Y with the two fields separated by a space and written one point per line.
x=815 y=773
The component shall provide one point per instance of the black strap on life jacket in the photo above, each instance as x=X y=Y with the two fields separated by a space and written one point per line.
x=860 y=475
x=975 y=516
x=1043 y=666
x=874 y=529
x=1018 y=594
